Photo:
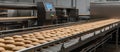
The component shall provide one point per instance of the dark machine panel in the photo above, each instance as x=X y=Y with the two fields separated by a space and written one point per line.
x=46 y=13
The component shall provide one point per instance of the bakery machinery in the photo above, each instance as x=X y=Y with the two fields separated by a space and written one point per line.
x=68 y=37
x=45 y=14
x=66 y=14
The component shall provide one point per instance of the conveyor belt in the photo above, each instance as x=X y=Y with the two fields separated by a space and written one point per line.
x=23 y=41
x=8 y=19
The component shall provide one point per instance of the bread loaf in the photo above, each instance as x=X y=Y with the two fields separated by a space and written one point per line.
x=25 y=36
x=32 y=37
x=8 y=38
x=2 y=49
x=19 y=43
x=9 y=41
x=42 y=41
x=2 y=40
x=9 y=51
x=27 y=41
x=36 y=33
x=2 y=45
x=9 y=46
x=34 y=40
x=30 y=34
x=46 y=36
x=28 y=45
x=35 y=43
x=18 y=48
x=19 y=40
x=40 y=38
x=17 y=36
x=55 y=38
x=49 y=39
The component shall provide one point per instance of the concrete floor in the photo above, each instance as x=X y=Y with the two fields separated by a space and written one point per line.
x=109 y=48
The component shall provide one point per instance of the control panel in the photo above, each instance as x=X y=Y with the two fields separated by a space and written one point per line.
x=46 y=12
x=50 y=11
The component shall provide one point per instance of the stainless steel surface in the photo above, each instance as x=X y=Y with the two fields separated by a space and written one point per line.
x=105 y=9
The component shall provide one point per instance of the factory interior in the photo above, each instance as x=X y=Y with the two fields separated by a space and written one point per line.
x=59 y=25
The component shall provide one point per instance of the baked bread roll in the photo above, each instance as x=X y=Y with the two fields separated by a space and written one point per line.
x=17 y=36
x=9 y=46
x=35 y=43
x=55 y=38
x=30 y=34
x=18 y=48
x=2 y=40
x=34 y=40
x=27 y=41
x=49 y=39
x=25 y=36
x=52 y=35
x=9 y=51
x=42 y=41
x=19 y=40
x=2 y=49
x=36 y=33
x=40 y=38
x=9 y=41
x=8 y=38
x=19 y=43
x=28 y=45
x=2 y=45
x=46 y=36
x=32 y=37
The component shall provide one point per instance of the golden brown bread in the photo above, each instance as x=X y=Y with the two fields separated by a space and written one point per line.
x=9 y=46
x=34 y=40
x=9 y=41
x=49 y=39
x=2 y=40
x=42 y=41
x=28 y=45
x=8 y=51
x=19 y=43
x=2 y=49
x=18 y=48
x=40 y=38
x=27 y=41
x=19 y=40
x=8 y=38
x=25 y=36
x=35 y=43
x=17 y=36
x=2 y=45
